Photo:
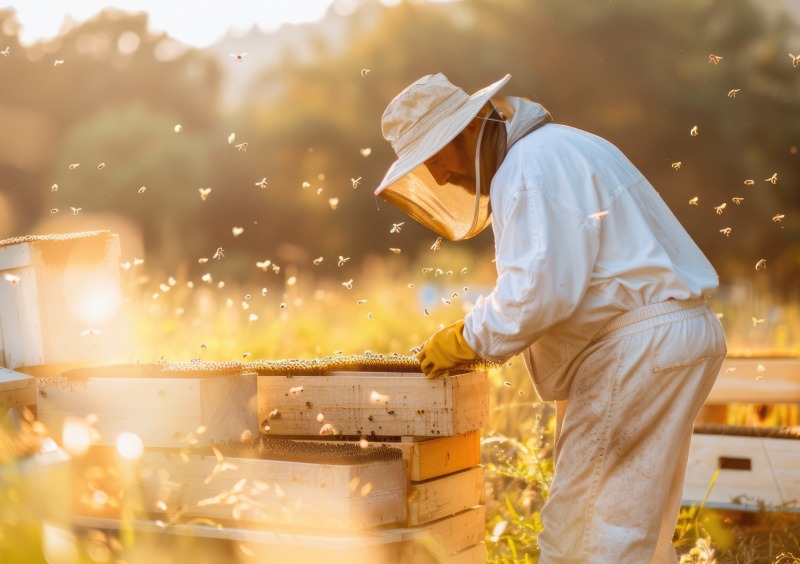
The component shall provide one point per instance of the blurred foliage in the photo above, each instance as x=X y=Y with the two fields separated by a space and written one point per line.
x=306 y=115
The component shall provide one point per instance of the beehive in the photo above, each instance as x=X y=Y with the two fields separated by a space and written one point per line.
x=744 y=467
x=163 y=404
x=59 y=299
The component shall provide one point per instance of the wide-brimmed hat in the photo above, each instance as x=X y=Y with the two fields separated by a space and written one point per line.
x=425 y=117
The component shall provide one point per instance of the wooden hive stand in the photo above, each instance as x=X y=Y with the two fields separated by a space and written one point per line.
x=752 y=463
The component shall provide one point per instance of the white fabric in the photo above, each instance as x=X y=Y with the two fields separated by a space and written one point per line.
x=622 y=444
x=565 y=269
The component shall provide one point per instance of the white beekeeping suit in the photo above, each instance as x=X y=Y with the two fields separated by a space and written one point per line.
x=599 y=287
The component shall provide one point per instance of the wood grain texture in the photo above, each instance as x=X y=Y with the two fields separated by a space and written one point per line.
x=16 y=389
x=441 y=497
x=767 y=458
x=162 y=411
x=381 y=404
x=306 y=495
x=757 y=380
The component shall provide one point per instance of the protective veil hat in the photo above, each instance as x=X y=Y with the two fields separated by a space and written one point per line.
x=418 y=123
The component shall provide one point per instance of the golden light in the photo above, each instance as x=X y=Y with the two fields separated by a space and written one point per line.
x=93 y=296
x=130 y=446
x=76 y=436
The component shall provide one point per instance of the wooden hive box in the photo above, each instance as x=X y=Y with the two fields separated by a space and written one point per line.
x=752 y=469
x=347 y=495
x=378 y=404
x=59 y=296
x=16 y=390
x=164 y=407
x=757 y=380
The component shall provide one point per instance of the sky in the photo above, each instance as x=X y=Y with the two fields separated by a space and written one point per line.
x=196 y=22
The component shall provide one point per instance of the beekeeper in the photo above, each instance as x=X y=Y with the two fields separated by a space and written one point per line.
x=598 y=287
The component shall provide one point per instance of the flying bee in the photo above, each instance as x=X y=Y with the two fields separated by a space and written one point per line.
x=795 y=59
x=693 y=201
x=777 y=218
x=242 y=147
x=204 y=192
x=396 y=227
x=355 y=182
x=761 y=264
x=737 y=200
x=317 y=261
x=262 y=183
x=73 y=166
x=437 y=244
x=733 y=93
x=75 y=210
x=364 y=72
x=12 y=279
x=772 y=179
x=143 y=189
x=756 y=321
x=238 y=57
x=694 y=131
x=219 y=254
x=6 y=52
x=726 y=231
x=342 y=260
x=395 y=250
x=720 y=208
x=749 y=182
x=677 y=165
x=348 y=284
x=712 y=58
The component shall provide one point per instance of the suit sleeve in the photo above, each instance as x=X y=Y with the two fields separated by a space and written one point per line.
x=545 y=253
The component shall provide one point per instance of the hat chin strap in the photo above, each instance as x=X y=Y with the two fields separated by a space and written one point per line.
x=476 y=210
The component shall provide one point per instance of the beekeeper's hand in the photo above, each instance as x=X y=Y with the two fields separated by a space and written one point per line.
x=445 y=349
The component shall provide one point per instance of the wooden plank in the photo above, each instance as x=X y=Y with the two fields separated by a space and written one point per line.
x=438 y=457
x=351 y=497
x=15 y=256
x=450 y=535
x=745 y=471
x=475 y=554
x=441 y=497
x=757 y=380
x=381 y=546
x=380 y=404
x=162 y=411
x=16 y=389
x=20 y=317
x=784 y=457
x=430 y=458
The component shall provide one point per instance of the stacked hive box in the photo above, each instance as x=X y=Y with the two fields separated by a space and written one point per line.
x=744 y=466
x=436 y=424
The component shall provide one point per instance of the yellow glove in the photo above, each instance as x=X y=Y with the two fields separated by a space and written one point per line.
x=445 y=349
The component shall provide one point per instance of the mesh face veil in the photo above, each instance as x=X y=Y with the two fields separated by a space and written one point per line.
x=445 y=165
x=420 y=123
x=454 y=205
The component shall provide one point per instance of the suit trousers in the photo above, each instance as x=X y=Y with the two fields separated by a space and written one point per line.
x=623 y=435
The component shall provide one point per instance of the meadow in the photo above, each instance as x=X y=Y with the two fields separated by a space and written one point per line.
x=391 y=306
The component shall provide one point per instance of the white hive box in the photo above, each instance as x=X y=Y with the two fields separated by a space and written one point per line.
x=59 y=299
x=164 y=406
